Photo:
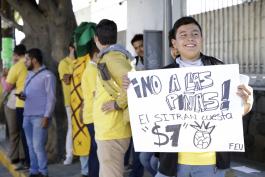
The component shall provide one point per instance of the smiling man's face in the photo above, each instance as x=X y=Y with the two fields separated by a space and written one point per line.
x=188 y=41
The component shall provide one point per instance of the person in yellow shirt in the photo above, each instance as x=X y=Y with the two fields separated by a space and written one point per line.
x=65 y=70
x=112 y=130
x=83 y=38
x=88 y=85
x=81 y=137
x=16 y=79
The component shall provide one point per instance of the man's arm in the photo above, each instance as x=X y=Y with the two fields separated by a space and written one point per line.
x=11 y=79
x=118 y=67
x=6 y=86
x=50 y=87
x=64 y=73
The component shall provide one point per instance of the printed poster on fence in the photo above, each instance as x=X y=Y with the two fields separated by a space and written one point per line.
x=193 y=109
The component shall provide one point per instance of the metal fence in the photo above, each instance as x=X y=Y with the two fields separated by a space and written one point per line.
x=235 y=33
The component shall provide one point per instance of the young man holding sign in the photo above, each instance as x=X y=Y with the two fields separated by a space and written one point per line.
x=188 y=41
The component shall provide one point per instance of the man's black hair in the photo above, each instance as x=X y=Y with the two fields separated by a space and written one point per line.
x=71 y=44
x=106 y=31
x=35 y=53
x=20 y=49
x=137 y=37
x=185 y=21
x=92 y=49
x=170 y=37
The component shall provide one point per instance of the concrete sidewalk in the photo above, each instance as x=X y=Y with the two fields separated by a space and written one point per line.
x=244 y=168
x=55 y=170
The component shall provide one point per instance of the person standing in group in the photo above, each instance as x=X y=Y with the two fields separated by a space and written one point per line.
x=141 y=160
x=65 y=69
x=16 y=79
x=112 y=127
x=39 y=95
x=15 y=149
x=88 y=85
x=138 y=45
x=83 y=37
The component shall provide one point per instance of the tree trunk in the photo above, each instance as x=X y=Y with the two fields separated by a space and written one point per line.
x=49 y=26
x=6 y=32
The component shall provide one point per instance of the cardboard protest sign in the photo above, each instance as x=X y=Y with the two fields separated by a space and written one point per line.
x=192 y=109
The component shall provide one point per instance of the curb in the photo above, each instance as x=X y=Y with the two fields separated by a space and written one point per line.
x=4 y=160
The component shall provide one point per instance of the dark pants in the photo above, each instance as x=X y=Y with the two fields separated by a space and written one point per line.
x=19 y=113
x=137 y=167
x=128 y=154
x=93 y=163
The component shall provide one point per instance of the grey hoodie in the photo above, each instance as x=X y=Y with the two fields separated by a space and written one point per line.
x=116 y=47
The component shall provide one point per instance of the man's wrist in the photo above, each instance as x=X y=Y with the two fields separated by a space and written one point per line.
x=116 y=106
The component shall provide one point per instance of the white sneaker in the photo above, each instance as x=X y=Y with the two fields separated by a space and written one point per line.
x=68 y=161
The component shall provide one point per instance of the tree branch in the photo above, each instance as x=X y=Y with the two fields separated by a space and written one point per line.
x=64 y=6
x=52 y=5
x=11 y=22
x=26 y=9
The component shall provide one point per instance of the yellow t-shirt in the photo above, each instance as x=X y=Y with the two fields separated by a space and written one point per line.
x=88 y=85
x=197 y=158
x=17 y=76
x=108 y=126
x=66 y=67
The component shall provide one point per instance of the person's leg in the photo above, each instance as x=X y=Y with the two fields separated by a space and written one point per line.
x=137 y=167
x=28 y=127
x=19 y=114
x=199 y=171
x=84 y=165
x=184 y=170
x=111 y=157
x=204 y=170
x=69 y=138
x=145 y=158
x=128 y=154
x=93 y=158
x=154 y=162
x=158 y=174
x=220 y=172
x=39 y=139
x=13 y=132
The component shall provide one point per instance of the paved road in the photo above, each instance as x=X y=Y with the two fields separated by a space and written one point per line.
x=4 y=172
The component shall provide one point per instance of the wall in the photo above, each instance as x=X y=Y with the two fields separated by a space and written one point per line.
x=143 y=15
x=235 y=35
x=115 y=10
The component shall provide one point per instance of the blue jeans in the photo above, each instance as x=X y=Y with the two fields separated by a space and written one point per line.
x=36 y=139
x=145 y=158
x=93 y=157
x=158 y=174
x=199 y=171
x=84 y=165
x=196 y=171
x=154 y=162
